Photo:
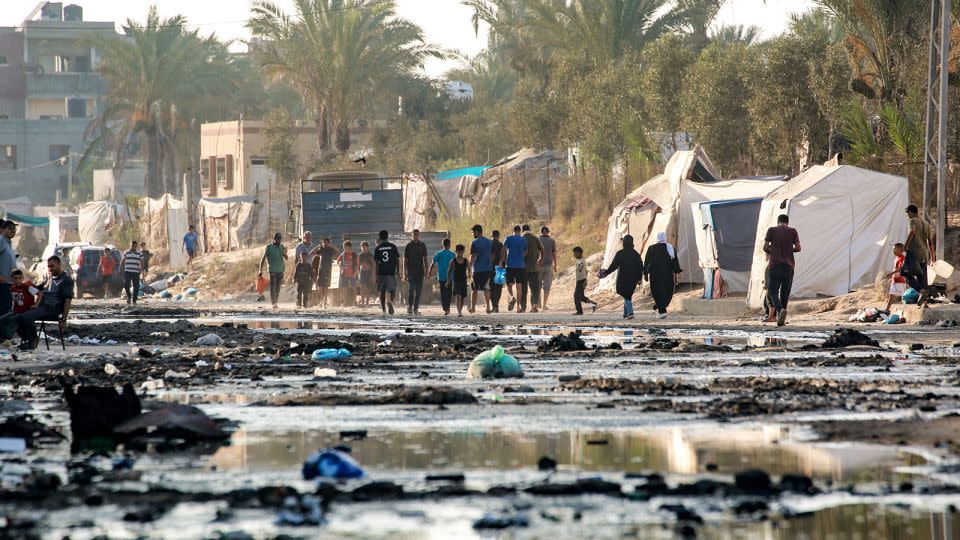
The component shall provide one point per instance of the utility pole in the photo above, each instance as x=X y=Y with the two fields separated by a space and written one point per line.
x=935 y=148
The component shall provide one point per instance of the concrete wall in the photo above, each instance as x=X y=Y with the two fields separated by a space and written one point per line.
x=12 y=78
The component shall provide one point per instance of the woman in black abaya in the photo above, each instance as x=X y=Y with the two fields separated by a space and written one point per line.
x=660 y=268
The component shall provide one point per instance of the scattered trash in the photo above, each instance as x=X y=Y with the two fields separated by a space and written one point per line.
x=96 y=410
x=192 y=291
x=171 y=374
x=910 y=297
x=141 y=352
x=325 y=373
x=123 y=463
x=847 y=337
x=267 y=359
x=153 y=385
x=166 y=295
x=330 y=354
x=353 y=435
x=110 y=369
x=869 y=315
x=201 y=363
x=490 y=521
x=385 y=343
x=895 y=318
x=160 y=334
x=182 y=421
x=546 y=463
x=331 y=463
x=305 y=511
x=110 y=342
x=494 y=364
x=77 y=340
x=210 y=340
x=564 y=342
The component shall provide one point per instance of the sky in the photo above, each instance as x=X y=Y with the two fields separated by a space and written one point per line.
x=445 y=22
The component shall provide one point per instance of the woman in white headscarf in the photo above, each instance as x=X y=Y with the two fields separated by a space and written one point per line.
x=660 y=268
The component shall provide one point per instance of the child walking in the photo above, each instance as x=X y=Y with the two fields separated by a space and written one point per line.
x=303 y=277
x=441 y=261
x=368 y=283
x=579 y=293
x=349 y=275
x=460 y=270
x=898 y=283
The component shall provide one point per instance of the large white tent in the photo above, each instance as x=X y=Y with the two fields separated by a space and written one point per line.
x=663 y=204
x=848 y=219
x=163 y=222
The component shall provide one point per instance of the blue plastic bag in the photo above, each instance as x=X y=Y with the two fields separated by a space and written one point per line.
x=331 y=463
x=910 y=297
x=500 y=276
x=330 y=354
x=191 y=291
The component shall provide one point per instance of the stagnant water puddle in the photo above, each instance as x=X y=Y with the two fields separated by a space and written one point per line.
x=677 y=451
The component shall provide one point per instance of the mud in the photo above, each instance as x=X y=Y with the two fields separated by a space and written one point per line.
x=408 y=376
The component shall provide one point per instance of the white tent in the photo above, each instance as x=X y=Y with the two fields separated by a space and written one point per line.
x=848 y=220
x=663 y=204
x=418 y=192
x=96 y=219
x=163 y=223
x=525 y=179
x=63 y=228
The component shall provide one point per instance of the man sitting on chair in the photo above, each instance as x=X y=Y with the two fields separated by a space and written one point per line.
x=53 y=304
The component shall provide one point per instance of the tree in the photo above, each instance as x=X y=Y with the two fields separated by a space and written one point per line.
x=695 y=19
x=787 y=126
x=280 y=145
x=714 y=102
x=883 y=39
x=830 y=85
x=665 y=63
x=736 y=33
x=160 y=81
x=338 y=54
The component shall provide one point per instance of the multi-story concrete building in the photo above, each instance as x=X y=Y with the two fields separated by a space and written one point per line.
x=49 y=92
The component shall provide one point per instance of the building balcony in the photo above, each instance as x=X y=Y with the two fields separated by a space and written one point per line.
x=64 y=85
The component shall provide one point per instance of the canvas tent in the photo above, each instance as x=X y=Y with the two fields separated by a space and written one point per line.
x=664 y=204
x=97 y=219
x=524 y=179
x=231 y=223
x=163 y=222
x=848 y=219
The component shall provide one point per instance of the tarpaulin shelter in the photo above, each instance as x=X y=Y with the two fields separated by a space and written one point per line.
x=848 y=220
x=163 y=222
x=523 y=180
x=231 y=223
x=18 y=206
x=663 y=204
x=726 y=232
x=97 y=219
x=418 y=192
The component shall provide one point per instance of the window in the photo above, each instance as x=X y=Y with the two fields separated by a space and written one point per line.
x=3 y=60
x=58 y=151
x=81 y=64
x=228 y=179
x=8 y=157
x=221 y=170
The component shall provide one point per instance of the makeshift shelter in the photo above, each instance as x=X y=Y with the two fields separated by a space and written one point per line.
x=18 y=206
x=418 y=193
x=524 y=179
x=63 y=228
x=97 y=220
x=848 y=220
x=231 y=223
x=163 y=222
x=725 y=232
x=664 y=204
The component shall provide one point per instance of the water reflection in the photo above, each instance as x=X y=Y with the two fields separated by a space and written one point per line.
x=676 y=450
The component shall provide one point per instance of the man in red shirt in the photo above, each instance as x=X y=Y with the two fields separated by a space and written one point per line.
x=23 y=292
x=780 y=243
x=107 y=267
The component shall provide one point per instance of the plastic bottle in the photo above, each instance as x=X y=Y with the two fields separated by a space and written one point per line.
x=330 y=354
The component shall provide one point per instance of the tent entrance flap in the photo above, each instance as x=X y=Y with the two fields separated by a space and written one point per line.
x=734 y=225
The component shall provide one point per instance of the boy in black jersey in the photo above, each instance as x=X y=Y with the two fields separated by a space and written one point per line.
x=386 y=257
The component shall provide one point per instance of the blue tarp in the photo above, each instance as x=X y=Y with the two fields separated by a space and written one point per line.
x=459 y=173
x=29 y=221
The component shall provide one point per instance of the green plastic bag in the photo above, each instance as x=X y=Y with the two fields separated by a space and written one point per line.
x=494 y=364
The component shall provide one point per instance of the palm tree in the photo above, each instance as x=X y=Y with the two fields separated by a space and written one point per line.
x=881 y=36
x=598 y=30
x=493 y=81
x=695 y=17
x=158 y=80
x=735 y=33
x=338 y=54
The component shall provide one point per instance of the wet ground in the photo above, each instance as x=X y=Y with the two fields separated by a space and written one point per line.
x=687 y=429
